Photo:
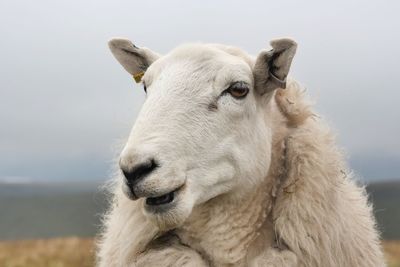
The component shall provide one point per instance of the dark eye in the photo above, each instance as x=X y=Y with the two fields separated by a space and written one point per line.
x=144 y=88
x=238 y=90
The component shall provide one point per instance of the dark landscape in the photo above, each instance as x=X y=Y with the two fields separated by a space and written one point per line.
x=44 y=224
x=30 y=211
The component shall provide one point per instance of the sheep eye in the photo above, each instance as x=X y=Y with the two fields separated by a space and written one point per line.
x=238 y=90
x=144 y=88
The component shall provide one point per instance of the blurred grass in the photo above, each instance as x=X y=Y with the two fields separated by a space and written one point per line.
x=392 y=253
x=57 y=252
x=79 y=252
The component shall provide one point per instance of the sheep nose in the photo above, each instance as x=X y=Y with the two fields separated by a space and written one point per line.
x=134 y=174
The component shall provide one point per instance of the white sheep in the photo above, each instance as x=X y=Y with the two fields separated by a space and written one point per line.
x=225 y=167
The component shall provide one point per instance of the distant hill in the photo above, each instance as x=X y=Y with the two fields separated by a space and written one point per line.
x=386 y=199
x=50 y=210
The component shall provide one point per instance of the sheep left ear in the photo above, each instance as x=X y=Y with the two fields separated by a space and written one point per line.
x=135 y=60
x=272 y=67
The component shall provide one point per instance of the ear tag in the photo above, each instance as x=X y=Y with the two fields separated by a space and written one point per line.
x=138 y=76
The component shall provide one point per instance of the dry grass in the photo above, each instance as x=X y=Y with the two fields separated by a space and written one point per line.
x=392 y=252
x=58 y=252
x=78 y=252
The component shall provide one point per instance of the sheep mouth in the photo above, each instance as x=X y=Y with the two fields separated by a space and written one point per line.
x=163 y=199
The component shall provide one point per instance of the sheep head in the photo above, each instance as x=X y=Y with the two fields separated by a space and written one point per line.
x=204 y=129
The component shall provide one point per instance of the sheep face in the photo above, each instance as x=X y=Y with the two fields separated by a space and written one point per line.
x=203 y=130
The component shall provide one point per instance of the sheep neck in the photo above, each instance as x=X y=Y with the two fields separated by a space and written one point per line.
x=223 y=229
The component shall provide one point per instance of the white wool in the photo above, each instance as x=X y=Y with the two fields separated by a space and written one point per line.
x=268 y=188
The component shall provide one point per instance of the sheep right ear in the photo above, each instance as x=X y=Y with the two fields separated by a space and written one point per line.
x=135 y=60
x=272 y=67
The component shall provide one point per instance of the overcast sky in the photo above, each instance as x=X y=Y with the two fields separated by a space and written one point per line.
x=65 y=103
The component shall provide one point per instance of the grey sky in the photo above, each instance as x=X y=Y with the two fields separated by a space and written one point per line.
x=65 y=102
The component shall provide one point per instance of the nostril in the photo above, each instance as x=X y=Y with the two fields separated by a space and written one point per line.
x=139 y=171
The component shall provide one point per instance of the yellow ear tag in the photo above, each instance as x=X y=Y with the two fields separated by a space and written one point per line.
x=138 y=76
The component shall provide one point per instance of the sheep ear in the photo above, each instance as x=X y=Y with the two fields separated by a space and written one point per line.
x=272 y=67
x=135 y=60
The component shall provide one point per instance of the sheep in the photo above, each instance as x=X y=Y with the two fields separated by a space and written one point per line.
x=228 y=165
